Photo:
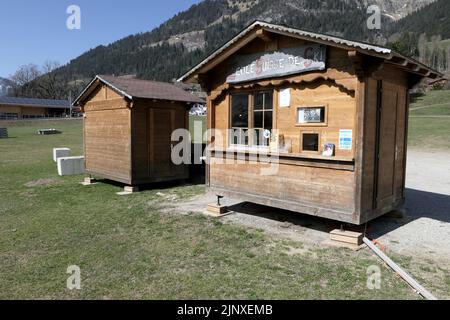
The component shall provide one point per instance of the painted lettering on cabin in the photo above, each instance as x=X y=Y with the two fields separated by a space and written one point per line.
x=278 y=63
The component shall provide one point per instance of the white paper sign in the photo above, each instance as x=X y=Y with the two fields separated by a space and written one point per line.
x=345 y=139
x=285 y=98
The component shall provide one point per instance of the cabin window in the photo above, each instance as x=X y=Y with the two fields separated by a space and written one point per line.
x=251 y=119
x=311 y=115
x=239 y=119
x=310 y=142
x=262 y=118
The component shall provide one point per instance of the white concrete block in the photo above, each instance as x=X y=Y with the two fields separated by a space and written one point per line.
x=68 y=166
x=60 y=153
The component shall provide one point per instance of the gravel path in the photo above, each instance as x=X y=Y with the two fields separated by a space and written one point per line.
x=423 y=232
x=425 y=229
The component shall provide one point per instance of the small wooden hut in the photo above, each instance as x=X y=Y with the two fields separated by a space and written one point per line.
x=333 y=112
x=128 y=125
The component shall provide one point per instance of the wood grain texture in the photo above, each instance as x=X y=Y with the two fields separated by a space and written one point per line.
x=131 y=142
x=357 y=191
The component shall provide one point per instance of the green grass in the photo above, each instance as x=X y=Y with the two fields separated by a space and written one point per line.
x=429 y=125
x=434 y=97
x=138 y=247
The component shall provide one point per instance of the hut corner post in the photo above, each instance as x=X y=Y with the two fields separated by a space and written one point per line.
x=360 y=97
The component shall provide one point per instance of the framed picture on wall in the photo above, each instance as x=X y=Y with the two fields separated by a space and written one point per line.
x=311 y=115
x=329 y=150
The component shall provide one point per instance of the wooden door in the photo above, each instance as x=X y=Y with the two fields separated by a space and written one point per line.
x=160 y=146
x=387 y=139
x=163 y=122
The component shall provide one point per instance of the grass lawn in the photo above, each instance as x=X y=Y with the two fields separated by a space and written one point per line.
x=136 y=247
x=429 y=125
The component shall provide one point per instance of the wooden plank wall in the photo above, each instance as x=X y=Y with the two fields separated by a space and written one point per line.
x=383 y=185
x=140 y=141
x=153 y=124
x=334 y=88
x=107 y=135
x=340 y=115
x=318 y=187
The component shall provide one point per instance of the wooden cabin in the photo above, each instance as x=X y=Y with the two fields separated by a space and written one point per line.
x=128 y=125
x=332 y=112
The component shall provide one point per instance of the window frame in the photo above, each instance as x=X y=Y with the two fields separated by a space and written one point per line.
x=319 y=136
x=312 y=124
x=250 y=129
x=242 y=130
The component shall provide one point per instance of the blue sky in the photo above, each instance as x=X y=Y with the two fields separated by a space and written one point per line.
x=33 y=31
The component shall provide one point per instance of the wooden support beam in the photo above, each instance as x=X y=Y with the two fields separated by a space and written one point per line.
x=202 y=80
x=357 y=61
x=264 y=35
x=400 y=61
x=414 y=67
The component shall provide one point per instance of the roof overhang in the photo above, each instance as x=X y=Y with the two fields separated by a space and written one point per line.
x=93 y=85
x=260 y=29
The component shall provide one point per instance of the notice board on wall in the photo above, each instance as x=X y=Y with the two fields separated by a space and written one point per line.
x=345 y=139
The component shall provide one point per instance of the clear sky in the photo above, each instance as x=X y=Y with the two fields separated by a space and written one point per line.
x=33 y=31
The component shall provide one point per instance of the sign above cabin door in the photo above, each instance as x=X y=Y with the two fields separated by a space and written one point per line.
x=282 y=62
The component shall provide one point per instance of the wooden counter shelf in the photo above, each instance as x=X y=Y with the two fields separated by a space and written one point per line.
x=298 y=159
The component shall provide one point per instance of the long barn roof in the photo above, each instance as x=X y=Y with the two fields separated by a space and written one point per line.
x=140 y=89
x=369 y=49
x=38 y=103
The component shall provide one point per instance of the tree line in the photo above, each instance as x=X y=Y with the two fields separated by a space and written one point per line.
x=149 y=56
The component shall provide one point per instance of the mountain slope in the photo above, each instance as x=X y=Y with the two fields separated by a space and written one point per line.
x=169 y=50
x=5 y=86
x=431 y=20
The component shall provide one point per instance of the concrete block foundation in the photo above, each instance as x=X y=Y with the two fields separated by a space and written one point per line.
x=68 y=166
x=60 y=153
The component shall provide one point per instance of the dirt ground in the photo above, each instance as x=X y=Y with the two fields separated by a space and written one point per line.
x=421 y=232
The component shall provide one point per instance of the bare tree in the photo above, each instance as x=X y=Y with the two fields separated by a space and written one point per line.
x=423 y=46
x=49 y=84
x=23 y=78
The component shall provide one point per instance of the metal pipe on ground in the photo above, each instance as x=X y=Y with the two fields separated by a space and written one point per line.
x=405 y=276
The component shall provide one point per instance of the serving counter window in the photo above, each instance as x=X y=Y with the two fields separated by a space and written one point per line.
x=251 y=119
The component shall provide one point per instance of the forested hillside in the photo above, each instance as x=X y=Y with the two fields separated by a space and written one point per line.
x=431 y=20
x=421 y=35
x=169 y=50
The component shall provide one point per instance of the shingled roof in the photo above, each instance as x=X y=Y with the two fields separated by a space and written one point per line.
x=139 y=89
x=29 y=102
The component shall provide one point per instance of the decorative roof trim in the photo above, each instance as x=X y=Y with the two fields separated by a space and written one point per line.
x=369 y=49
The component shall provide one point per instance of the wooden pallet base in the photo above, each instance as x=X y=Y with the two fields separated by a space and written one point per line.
x=128 y=190
x=217 y=210
x=88 y=182
x=348 y=237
